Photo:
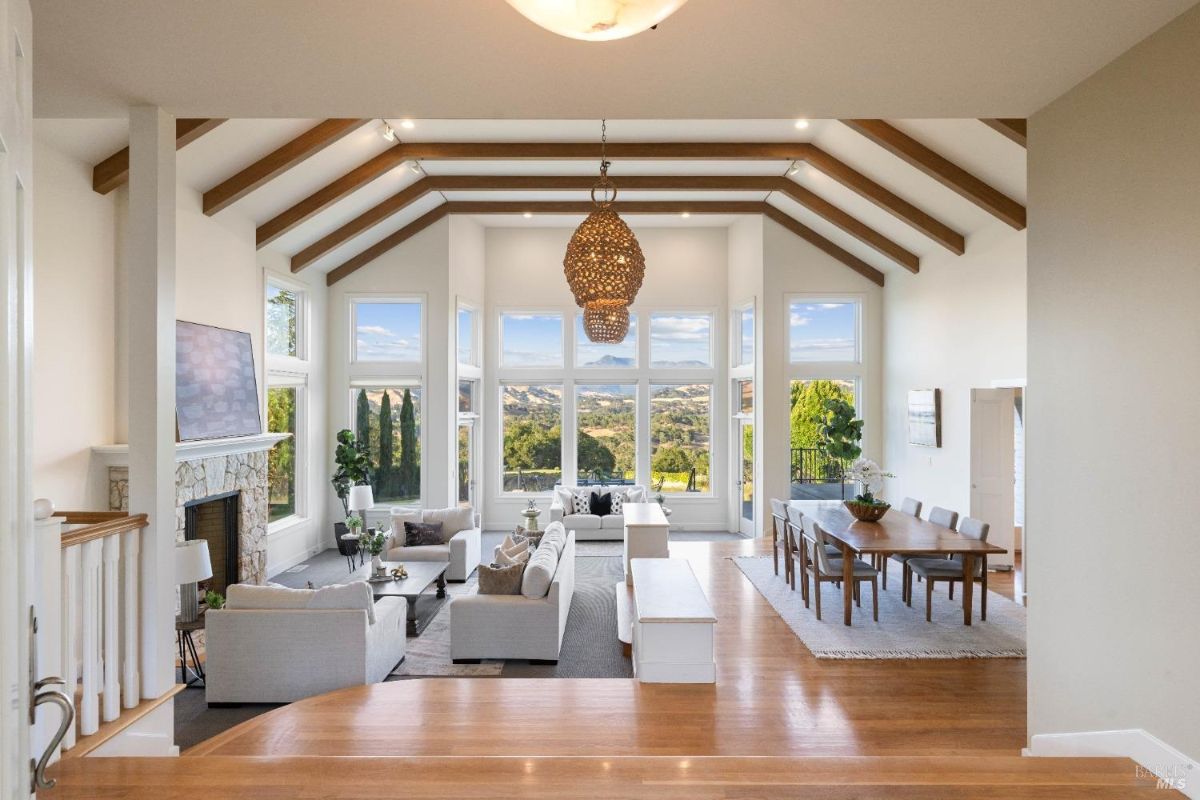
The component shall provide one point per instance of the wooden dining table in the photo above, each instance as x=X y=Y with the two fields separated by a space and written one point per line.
x=896 y=532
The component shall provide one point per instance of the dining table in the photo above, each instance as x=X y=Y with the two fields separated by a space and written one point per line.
x=895 y=533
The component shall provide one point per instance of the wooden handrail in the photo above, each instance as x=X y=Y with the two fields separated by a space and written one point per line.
x=99 y=530
x=89 y=517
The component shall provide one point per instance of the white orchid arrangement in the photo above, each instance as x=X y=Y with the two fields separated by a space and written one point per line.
x=870 y=475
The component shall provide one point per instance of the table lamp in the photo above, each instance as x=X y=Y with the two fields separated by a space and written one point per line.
x=361 y=499
x=192 y=565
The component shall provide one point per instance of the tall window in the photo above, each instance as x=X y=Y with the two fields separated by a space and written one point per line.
x=466 y=324
x=285 y=315
x=590 y=355
x=390 y=419
x=606 y=433
x=680 y=341
x=744 y=331
x=823 y=331
x=531 y=340
x=531 y=420
x=387 y=330
x=680 y=437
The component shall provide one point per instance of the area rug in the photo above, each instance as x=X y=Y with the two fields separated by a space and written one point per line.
x=901 y=632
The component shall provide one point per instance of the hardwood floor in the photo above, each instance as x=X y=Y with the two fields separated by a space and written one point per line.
x=771 y=698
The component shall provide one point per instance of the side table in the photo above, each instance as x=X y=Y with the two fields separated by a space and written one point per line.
x=531 y=518
x=187 y=645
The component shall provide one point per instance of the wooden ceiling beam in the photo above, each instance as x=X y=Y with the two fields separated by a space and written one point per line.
x=114 y=170
x=755 y=183
x=1014 y=129
x=582 y=207
x=941 y=169
x=275 y=163
x=518 y=151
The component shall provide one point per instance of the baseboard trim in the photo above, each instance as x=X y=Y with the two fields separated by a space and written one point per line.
x=288 y=563
x=1173 y=769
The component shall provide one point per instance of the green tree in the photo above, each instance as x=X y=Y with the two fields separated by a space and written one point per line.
x=626 y=455
x=281 y=323
x=385 y=478
x=410 y=475
x=281 y=460
x=808 y=410
x=671 y=459
x=362 y=419
x=594 y=456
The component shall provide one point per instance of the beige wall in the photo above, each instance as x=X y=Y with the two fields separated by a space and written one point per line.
x=1113 y=434
x=74 y=337
x=958 y=325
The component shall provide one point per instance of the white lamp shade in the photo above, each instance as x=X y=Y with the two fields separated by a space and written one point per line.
x=361 y=498
x=192 y=563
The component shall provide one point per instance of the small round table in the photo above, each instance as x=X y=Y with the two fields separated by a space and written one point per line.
x=531 y=518
x=187 y=646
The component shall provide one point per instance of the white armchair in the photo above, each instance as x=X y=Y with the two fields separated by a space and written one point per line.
x=461 y=539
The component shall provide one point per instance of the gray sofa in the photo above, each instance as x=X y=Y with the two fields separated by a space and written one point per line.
x=589 y=526
x=515 y=626
x=461 y=539
x=271 y=644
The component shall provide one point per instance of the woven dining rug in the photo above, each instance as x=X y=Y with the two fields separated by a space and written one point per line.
x=901 y=632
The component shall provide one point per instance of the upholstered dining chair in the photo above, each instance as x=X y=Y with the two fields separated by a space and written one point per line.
x=938 y=516
x=795 y=533
x=779 y=539
x=825 y=569
x=913 y=509
x=950 y=569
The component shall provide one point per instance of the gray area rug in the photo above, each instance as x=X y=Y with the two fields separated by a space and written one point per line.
x=901 y=632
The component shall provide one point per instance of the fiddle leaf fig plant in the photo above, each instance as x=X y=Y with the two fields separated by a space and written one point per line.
x=841 y=434
x=353 y=465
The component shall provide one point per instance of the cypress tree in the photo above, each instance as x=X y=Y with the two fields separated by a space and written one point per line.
x=410 y=476
x=362 y=424
x=386 y=442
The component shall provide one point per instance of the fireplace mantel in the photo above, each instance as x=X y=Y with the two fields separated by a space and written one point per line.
x=117 y=455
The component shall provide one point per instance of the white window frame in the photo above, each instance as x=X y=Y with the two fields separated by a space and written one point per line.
x=630 y=381
x=577 y=324
x=712 y=410
x=857 y=300
x=736 y=365
x=292 y=372
x=562 y=441
x=476 y=338
x=377 y=382
x=705 y=311
x=564 y=336
x=376 y=366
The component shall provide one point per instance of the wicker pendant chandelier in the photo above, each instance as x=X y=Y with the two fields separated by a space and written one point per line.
x=604 y=264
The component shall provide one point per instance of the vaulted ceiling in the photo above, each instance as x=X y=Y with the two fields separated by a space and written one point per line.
x=334 y=194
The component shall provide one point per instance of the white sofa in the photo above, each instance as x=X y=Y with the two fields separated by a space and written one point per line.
x=271 y=644
x=461 y=538
x=589 y=526
x=504 y=626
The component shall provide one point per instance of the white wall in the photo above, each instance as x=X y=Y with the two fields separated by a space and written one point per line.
x=74 y=316
x=793 y=266
x=1113 y=438
x=686 y=268
x=957 y=325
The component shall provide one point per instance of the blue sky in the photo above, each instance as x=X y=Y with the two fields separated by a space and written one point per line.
x=747 y=336
x=388 y=331
x=466 y=340
x=531 y=340
x=588 y=352
x=680 y=339
x=822 y=331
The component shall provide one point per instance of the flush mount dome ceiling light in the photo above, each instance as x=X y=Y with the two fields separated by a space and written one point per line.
x=597 y=20
x=604 y=264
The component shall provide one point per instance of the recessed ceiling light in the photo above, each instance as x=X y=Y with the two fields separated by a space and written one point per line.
x=794 y=168
x=801 y=124
x=686 y=214
x=387 y=132
x=528 y=215
x=407 y=124
x=415 y=167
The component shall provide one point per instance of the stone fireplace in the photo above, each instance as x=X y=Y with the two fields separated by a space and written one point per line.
x=228 y=474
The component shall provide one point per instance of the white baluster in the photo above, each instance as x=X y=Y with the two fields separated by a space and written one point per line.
x=89 y=710
x=131 y=683
x=109 y=609
x=70 y=613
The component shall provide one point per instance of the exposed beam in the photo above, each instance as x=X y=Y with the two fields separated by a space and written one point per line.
x=942 y=170
x=1015 y=129
x=277 y=162
x=114 y=170
x=577 y=207
x=756 y=183
x=711 y=151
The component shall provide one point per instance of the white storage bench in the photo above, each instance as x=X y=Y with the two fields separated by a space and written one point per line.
x=673 y=624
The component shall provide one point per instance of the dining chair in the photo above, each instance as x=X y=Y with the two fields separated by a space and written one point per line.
x=913 y=509
x=779 y=538
x=825 y=569
x=938 y=516
x=951 y=569
x=794 y=548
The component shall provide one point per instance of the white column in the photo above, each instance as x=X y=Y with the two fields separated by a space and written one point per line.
x=70 y=614
x=89 y=706
x=151 y=337
x=110 y=606
x=130 y=682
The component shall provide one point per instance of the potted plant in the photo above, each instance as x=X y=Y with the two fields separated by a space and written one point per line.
x=865 y=506
x=353 y=466
x=840 y=435
x=354 y=523
x=373 y=542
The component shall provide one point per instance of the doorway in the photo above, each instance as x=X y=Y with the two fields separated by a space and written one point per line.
x=993 y=467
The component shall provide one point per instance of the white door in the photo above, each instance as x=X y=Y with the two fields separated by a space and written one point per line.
x=993 y=473
x=16 y=347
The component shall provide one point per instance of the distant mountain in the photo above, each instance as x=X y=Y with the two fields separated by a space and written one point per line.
x=681 y=364
x=612 y=361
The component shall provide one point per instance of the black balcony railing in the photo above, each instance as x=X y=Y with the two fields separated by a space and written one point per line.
x=812 y=465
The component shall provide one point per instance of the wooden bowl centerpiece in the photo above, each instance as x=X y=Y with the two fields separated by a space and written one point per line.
x=866 y=512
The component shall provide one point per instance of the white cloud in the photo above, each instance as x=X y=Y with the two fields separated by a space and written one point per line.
x=376 y=330
x=798 y=319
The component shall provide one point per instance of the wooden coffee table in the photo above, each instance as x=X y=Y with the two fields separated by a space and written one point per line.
x=422 y=575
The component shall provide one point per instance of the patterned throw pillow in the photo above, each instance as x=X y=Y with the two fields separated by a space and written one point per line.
x=618 y=501
x=420 y=534
x=496 y=579
x=581 y=501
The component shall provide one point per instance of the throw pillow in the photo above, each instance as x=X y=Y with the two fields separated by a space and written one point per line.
x=565 y=498
x=539 y=572
x=600 y=505
x=636 y=494
x=618 y=502
x=518 y=555
x=421 y=534
x=581 y=501
x=497 y=579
